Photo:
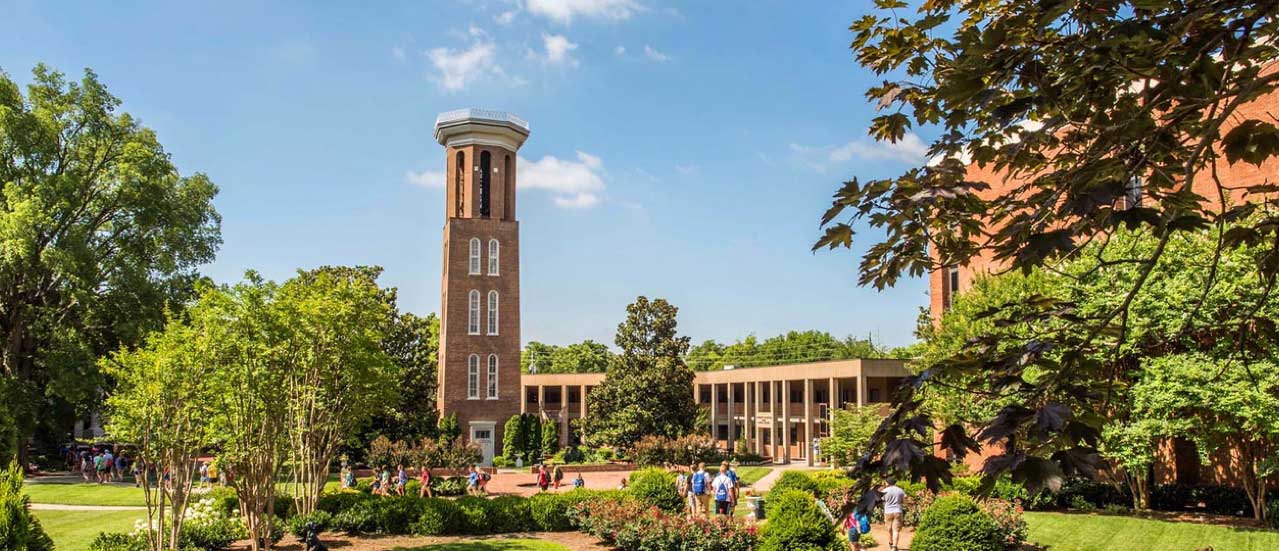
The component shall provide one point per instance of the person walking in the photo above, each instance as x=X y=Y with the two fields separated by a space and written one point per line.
x=204 y=474
x=424 y=477
x=681 y=488
x=699 y=487
x=543 y=478
x=484 y=480
x=732 y=475
x=557 y=476
x=722 y=488
x=401 y=480
x=579 y=482
x=893 y=498
x=856 y=524
x=473 y=481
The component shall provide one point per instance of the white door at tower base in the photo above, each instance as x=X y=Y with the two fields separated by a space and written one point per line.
x=482 y=437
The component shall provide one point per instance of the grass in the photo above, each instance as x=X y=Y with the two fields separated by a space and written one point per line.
x=491 y=545
x=74 y=530
x=1079 y=532
x=747 y=475
x=84 y=494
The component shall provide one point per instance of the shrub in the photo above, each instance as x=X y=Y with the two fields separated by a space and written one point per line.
x=1272 y=513
x=510 y=514
x=955 y=522
x=656 y=487
x=225 y=500
x=359 y=518
x=115 y=541
x=296 y=524
x=550 y=512
x=829 y=482
x=795 y=480
x=501 y=462
x=394 y=515
x=571 y=454
x=795 y=523
x=19 y=530
x=629 y=525
x=474 y=515
x=1098 y=494
x=337 y=502
x=451 y=486
x=439 y=517
x=685 y=450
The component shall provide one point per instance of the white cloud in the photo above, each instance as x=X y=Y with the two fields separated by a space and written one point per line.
x=398 y=53
x=563 y=11
x=559 y=50
x=620 y=50
x=579 y=201
x=909 y=150
x=575 y=184
x=506 y=17
x=458 y=68
x=655 y=55
x=425 y=178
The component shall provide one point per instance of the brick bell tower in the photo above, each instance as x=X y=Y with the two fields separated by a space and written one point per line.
x=479 y=371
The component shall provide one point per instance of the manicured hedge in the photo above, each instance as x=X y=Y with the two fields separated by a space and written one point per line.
x=795 y=523
x=955 y=522
x=656 y=487
x=794 y=480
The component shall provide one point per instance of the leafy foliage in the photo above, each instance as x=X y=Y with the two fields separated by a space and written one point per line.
x=790 y=347
x=99 y=234
x=850 y=433
x=646 y=391
x=796 y=524
x=1068 y=104
x=656 y=487
x=956 y=522
x=584 y=357
x=19 y=530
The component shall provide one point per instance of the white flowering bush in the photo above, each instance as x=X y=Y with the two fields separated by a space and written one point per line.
x=205 y=528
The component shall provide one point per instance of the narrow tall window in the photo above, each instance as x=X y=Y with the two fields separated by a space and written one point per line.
x=486 y=176
x=493 y=256
x=474 y=268
x=473 y=313
x=508 y=190
x=1132 y=192
x=459 y=186
x=492 y=329
x=473 y=377
x=952 y=284
x=492 y=395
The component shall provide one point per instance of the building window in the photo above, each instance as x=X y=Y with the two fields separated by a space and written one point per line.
x=1132 y=192
x=492 y=376
x=473 y=377
x=952 y=285
x=473 y=313
x=474 y=268
x=486 y=170
x=508 y=190
x=459 y=187
x=492 y=328
x=493 y=256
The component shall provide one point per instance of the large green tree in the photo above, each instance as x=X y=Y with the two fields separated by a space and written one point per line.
x=787 y=348
x=587 y=356
x=413 y=343
x=1070 y=103
x=98 y=233
x=646 y=392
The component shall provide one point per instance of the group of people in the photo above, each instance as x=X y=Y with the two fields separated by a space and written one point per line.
x=384 y=483
x=99 y=464
x=211 y=474
x=858 y=523
x=553 y=477
x=699 y=488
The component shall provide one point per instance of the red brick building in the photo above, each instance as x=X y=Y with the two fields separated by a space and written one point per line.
x=1180 y=460
x=479 y=371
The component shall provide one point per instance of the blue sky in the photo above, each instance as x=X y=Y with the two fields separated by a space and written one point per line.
x=683 y=151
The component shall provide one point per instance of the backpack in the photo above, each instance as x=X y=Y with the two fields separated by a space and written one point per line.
x=863 y=523
x=681 y=485
x=721 y=492
x=699 y=483
x=485 y=476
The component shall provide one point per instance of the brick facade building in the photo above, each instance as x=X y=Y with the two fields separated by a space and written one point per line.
x=479 y=369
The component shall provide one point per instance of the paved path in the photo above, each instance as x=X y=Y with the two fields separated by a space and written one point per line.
x=766 y=483
x=60 y=507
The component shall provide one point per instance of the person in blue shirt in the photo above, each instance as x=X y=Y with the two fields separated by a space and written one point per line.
x=473 y=481
x=699 y=487
x=401 y=480
x=732 y=475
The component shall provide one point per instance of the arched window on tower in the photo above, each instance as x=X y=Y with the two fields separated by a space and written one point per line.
x=492 y=394
x=492 y=328
x=473 y=377
x=473 y=313
x=486 y=175
x=474 y=267
x=459 y=188
x=493 y=257
x=508 y=190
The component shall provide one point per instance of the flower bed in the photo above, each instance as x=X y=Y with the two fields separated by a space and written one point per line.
x=631 y=525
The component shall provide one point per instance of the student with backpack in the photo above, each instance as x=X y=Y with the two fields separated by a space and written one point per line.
x=698 y=487
x=681 y=488
x=722 y=488
x=856 y=524
x=557 y=476
x=543 y=478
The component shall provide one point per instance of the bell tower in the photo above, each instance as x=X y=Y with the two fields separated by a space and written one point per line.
x=479 y=369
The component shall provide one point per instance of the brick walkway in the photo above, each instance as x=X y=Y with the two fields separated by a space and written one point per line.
x=523 y=483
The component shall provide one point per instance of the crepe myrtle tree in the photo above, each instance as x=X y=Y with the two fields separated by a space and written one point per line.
x=1070 y=103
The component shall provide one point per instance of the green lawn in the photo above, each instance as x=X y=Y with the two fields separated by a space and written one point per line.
x=85 y=494
x=747 y=475
x=73 y=530
x=1079 y=532
x=491 y=545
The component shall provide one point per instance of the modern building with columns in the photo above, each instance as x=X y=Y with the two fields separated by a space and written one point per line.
x=775 y=411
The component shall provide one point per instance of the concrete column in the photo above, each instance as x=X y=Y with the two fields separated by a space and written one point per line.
x=748 y=416
x=714 y=420
x=759 y=435
x=563 y=416
x=541 y=399
x=732 y=418
x=773 y=440
x=861 y=389
x=582 y=416
x=808 y=421
x=523 y=399
x=834 y=401
x=785 y=396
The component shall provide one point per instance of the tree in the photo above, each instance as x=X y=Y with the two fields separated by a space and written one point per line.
x=1070 y=104
x=788 y=348
x=513 y=438
x=550 y=438
x=585 y=357
x=337 y=322
x=531 y=432
x=99 y=232
x=850 y=433
x=646 y=392
x=163 y=404
x=449 y=429
x=413 y=343
x=1202 y=398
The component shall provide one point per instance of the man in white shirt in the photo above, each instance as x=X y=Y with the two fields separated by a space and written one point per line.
x=722 y=489
x=893 y=498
